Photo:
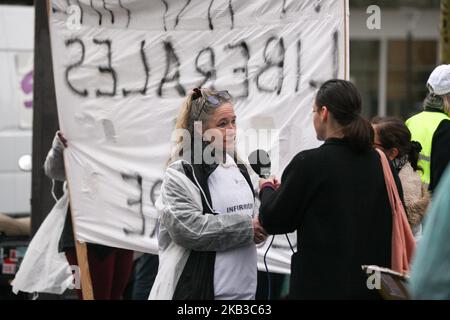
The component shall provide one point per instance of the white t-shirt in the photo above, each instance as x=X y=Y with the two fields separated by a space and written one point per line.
x=235 y=271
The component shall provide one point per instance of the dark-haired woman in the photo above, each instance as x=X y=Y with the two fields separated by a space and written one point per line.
x=394 y=138
x=335 y=198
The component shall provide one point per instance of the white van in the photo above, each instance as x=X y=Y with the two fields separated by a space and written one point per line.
x=16 y=112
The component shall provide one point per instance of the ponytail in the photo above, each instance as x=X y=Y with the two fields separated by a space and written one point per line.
x=446 y=100
x=183 y=122
x=413 y=155
x=343 y=100
x=359 y=134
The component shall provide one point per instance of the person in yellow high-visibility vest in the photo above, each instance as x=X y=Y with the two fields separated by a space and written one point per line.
x=432 y=127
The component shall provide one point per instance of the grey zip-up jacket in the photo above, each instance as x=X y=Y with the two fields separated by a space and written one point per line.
x=183 y=227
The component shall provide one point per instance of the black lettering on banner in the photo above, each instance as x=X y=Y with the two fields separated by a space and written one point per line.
x=211 y=27
x=299 y=66
x=64 y=12
x=318 y=6
x=230 y=8
x=154 y=191
x=314 y=84
x=154 y=194
x=142 y=91
x=209 y=74
x=107 y=69
x=166 y=6
x=269 y=63
x=243 y=69
x=128 y=12
x=335 y=54
x=132 y=202
x=70 y=42
x=283 y=8
x=171 y=59
x=177 y=19
x=81 y=11
x=109 y=10
x=98 y=13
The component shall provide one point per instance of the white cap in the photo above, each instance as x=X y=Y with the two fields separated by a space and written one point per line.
x=439 y=82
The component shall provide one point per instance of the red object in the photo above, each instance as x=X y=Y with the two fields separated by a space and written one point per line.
x=268 y=185
x=13 y=255
x=109 y=274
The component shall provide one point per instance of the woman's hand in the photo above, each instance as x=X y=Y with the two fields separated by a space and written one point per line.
x=62 y=138
x=260 y=235
x=271 y=180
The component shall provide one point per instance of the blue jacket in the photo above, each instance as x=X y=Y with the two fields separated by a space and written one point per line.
x=430 y=272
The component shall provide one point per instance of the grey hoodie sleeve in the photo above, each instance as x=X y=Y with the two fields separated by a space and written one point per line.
x=181 y=214
x=54 y=163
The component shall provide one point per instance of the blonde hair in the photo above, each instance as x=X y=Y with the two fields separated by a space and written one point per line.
x=192 y=111
x=446 y=99
x=435 y=102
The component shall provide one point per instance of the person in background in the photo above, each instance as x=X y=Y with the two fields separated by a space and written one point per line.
x=145 y=268
x=335 y=197
x=394 y=139
x=430 y=271
x=431 y=128
x=109 y=268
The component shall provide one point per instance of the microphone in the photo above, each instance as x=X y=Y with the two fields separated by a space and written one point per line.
x=260 y=162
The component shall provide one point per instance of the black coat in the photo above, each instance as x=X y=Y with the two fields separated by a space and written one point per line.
x=336 y=200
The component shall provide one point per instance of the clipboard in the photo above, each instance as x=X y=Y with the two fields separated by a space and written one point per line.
x=393 y=285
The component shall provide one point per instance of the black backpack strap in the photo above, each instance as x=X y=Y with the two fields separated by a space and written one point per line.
x=242 y=167
x=202 y=178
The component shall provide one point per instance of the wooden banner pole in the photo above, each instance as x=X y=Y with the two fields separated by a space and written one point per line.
x=85 y=275
x=81 y=248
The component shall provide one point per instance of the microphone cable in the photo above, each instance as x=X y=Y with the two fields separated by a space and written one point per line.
x=269 y=279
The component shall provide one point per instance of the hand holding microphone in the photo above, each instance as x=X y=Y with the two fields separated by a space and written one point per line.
x=260 y=162
x=271 y=181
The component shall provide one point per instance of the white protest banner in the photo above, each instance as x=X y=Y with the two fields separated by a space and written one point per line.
x=123 y=67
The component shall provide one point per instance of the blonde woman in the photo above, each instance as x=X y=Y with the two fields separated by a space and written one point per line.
x=207 y=232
